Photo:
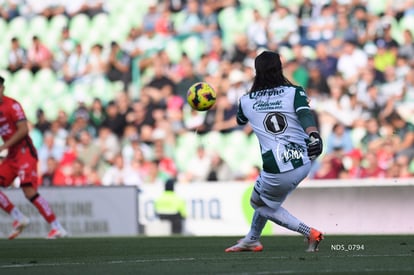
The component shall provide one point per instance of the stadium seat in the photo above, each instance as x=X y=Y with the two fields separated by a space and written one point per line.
x=264 y=8
x=376 y=6
x=45 y=77
x=212 y=140
x=407 y=23
x=194 y=47
x=4 y=52
x=233 y=21
x=173 y=50
x=39 y=26
x=23 y=77
x=58 y=22
x=186 y=147
x=18 y=28
x=3 y=25
x=80 y=26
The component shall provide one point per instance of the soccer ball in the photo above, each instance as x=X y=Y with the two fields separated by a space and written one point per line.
x=201 y=96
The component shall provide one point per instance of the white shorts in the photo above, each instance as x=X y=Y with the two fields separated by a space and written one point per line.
x=272 y=189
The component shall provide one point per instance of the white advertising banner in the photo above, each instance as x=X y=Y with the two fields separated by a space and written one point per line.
x=212 y=208
x=335 y=207
x=83 y=211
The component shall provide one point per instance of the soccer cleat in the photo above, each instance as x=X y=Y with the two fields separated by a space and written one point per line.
x=315 y=237
x=241 y=246
x=57 y=233
x=18 y=226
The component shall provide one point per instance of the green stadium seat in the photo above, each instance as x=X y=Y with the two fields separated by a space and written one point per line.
x=194 y=47
x=23 y=77
x=3 y=25
x=186 y=146
x=406 y=23
x=4 y=52
x=173 y=50
x=39 y=26
x=45 y=77
x=265 y=6
x=58 y=22
x=376 y=6
x=18 y=27
x=233 y=22
x=80 y=27
x=212 y=140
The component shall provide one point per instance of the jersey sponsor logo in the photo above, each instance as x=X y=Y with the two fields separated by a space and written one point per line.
x=5 y=130
x=19 y=111
x=267 y=105
x=289 y=151
x=267 y=92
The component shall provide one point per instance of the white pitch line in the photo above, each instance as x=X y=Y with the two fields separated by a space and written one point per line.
x=9 y=266
x=108 y=262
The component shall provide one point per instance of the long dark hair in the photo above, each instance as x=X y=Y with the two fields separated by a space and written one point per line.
x=269 y=79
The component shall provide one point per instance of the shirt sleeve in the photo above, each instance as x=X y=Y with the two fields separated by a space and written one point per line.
x=301 y=105
x=241 y=118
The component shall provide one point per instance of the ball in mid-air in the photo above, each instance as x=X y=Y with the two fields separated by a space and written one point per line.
x=201 y=96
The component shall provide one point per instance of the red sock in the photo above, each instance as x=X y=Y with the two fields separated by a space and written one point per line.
x=44 y=209
x=5 y=203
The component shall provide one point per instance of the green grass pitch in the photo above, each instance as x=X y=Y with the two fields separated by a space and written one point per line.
x=205 y=255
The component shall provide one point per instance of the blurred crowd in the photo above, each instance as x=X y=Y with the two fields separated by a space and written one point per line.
x=355 y=63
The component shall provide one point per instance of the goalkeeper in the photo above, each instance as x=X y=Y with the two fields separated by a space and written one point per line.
x=280 y=116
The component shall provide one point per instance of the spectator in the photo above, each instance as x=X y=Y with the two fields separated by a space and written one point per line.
x=220 y=170
x=89 y=152
x=49 y=149
x=64 y=48
x=406 y=48
x=154 y=175
x=75 y=67
x=404 y=130
x=164 y=25
x=192 y=23
x=73 y=175
x=48 y=175
x=372 y=133
x=331 y=167
x=38 y=56
x=10 y=9
x=187 y=79
x=325 y=61
x=108 y=143
x=322 y=27
x=202 y=160
x=119 y=66
x=121 y=174
x=97 y=65
x=339 y=139
x=317 y=84
x=225 y=119
x=370 y=167
x=114 y=120
x=17 y=56
x=209 y=23
x=281 y=26
x=42 y=123
x=305 y=14
x=351 y=62
x=97 y=113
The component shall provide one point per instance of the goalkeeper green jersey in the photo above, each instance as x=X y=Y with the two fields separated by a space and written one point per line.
x=272 y=114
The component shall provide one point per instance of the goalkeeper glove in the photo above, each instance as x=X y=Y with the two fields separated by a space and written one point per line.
x=314 y=146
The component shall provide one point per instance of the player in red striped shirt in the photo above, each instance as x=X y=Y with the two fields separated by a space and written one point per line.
x=21 y=162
